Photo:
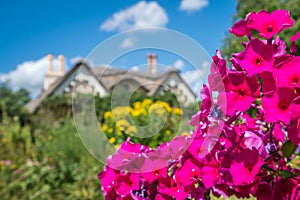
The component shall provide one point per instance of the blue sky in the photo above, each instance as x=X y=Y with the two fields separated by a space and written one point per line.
x=32 y=29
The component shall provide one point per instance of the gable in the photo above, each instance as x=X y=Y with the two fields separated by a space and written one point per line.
x=84 y=82
x=179 y=87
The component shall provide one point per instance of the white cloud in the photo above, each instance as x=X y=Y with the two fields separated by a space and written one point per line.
x=179 y=64
x=193 y=5
x=135 y=68
x=128 y=43
x=196 y=78
x=29 y=75
x=141 y=15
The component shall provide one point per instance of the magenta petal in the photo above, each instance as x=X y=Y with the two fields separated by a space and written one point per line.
x=294 y=132
x=242 y=175
x=295 y=37
x=235 y=102
x=278 y=133
x=195 y=119
x=272 y=110
x=209 y=176
x=257 y=58
x=268 y=83
x=295 y=108
x=188 y=173
x=239 y=28
x=282 y=18
x=108 y=177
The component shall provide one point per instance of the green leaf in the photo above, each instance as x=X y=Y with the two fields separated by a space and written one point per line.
x=288 y=149
x=286 y=174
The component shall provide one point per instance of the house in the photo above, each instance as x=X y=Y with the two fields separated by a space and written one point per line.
x=102 y=79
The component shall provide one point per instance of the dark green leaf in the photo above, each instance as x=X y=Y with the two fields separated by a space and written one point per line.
x=288 y=149
x=286 y=174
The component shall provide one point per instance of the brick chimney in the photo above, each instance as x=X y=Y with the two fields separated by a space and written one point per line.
x=152 y=63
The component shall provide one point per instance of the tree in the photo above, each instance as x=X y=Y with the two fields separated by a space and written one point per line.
x=12 y=104
x=232 y=44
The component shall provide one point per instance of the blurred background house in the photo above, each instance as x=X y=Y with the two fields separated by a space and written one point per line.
x=100 y=80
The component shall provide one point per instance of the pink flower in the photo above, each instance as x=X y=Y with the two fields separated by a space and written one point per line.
x=178 y=146
x=294 y=132
x=268 y=83
x=252 y=140
x=129 y=156
x=278 y=133
x=209 y=176
x=270 y=24
x=197 y=147
x=277 y=108
x=188 y=173
x=240 y=28
x=218 y=70
x=295 y=107
x=206 y=103
x=280 y=47
x=195 y=119
x=210 y=173
x=245 y=168
x=257 y=58
x=153 y=175
x=108 y=178
x=170 y=187
x=289 y=74
x=293 y=48
x=241 y=91
x=127 y=183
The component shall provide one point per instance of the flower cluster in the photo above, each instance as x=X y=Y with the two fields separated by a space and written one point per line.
x=246 y=132
x=124 y=121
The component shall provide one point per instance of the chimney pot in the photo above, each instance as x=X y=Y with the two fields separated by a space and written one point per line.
x=61 y=59
x=154 y=64
x=151 y=63
x=50 y=68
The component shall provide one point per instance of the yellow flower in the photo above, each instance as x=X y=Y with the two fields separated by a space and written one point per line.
x=108 y=115
x=112 y=140
x=122 y=124
x=121 y=112
x=117 y=146
x=177 y=111
x=137 y=105
x=110 y=130
x=136 y=112
x=147 y=102
x=104 y=127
